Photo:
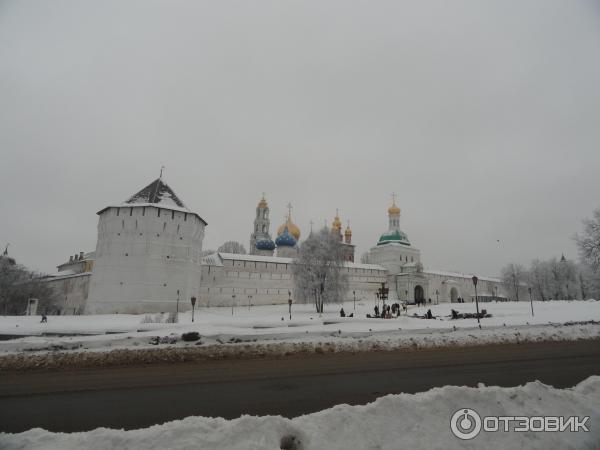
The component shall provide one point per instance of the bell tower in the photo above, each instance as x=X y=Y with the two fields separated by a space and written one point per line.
x=261 y=226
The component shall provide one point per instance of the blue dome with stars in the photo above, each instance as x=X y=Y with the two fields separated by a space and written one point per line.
x=265 y=244
x=285 y=239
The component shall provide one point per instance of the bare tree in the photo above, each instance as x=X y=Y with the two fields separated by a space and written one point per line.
x=514 y=275
x=539 y=279
x=588 y=243
x=18 y=285
x=318 y=274
x=232 y=247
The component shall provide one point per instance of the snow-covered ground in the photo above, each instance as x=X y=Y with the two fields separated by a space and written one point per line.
x=391 y=422
x=272 y=323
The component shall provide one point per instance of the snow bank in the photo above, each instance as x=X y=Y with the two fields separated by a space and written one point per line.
x=391 y=422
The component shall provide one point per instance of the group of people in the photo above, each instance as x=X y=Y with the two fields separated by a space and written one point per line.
x=388 y=311
x=343 y=313
x=421 y=301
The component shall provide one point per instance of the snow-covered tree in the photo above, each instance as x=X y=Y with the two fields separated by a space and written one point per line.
x=558 y=279
x=232 y=247
x=514 y=276
x=318 y=274
x=588 y=243
x=539 y=279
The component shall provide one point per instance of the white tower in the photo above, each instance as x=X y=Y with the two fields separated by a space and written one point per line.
x=147 y=255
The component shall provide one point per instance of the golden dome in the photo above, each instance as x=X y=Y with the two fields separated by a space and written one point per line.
x=291 y=226
x=262 y=203
x=337 y=223
x=348 y=231
x=393 y=209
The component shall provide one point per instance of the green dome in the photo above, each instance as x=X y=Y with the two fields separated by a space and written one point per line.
x=393 y=236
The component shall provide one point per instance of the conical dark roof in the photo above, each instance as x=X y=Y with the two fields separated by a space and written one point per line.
x=157 y=192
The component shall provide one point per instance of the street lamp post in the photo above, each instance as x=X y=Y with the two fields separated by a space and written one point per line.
x=290 y=303
x=232 y=302
x=476 y=300
x=406 y=293
x=177 y=306
x=437 y=297
x=531 y=301
x=193 y=300
x=354 y=292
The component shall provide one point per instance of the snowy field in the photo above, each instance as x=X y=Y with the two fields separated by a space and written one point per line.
x=271 y=323
x=391 y=422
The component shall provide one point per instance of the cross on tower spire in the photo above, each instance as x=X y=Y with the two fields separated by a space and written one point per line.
x=393 y=198
x=289 y=207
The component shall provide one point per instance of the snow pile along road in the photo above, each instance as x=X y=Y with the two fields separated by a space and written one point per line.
x=391 y=422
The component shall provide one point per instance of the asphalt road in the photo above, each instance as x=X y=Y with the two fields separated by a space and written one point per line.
x=135 y=397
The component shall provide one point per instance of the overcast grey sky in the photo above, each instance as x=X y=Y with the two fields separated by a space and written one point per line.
x=483 y=117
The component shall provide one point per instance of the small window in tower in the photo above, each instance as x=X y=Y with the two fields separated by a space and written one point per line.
x=144 y=211
x=123 y=223
x=178 y=227
x=136 y=224
x=158 y=213
x=164 y=226
x=185 y=217
x=118 y=211
x=131 y=211
x=172 y=214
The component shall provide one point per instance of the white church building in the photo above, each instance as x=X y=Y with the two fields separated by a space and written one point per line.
x=148 y=258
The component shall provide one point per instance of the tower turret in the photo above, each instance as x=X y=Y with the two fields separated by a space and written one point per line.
x=147 y=255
